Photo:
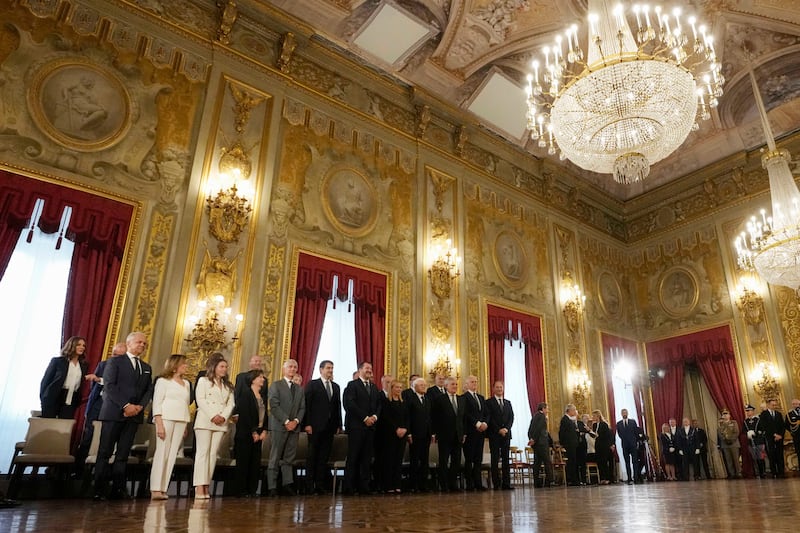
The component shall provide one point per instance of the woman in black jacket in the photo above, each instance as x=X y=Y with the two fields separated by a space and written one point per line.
x=250 y=432
x=395 y=421
x=60 y=389
x=603 y=446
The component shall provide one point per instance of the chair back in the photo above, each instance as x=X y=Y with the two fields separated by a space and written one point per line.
x=94 y=446
x=48 y=436
x=338 y=448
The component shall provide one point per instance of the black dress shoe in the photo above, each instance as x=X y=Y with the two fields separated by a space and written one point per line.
x=288 y=490
x=121 y=494
x=272 y=493
x=98 y=497
x=5 y=503
x=508 y=487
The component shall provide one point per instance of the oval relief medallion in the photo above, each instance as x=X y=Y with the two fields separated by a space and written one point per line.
x=350 y=202
x=678 y=292
x=510 y=259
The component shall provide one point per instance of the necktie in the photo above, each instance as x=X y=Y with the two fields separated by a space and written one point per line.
x=328 y=389
x=291 y=389
x=137 y=365
x=500 y=401
x=421 y=399
x=454 y=402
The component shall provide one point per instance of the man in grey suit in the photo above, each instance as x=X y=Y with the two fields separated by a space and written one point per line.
x=287 y=405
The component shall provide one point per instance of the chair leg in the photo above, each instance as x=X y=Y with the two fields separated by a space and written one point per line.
x=16 y=479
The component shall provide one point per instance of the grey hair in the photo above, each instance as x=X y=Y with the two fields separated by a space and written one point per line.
x=570 y=406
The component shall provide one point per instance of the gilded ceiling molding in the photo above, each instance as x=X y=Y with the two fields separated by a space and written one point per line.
x=85 y=20
x=288 y=46
x=227 y=17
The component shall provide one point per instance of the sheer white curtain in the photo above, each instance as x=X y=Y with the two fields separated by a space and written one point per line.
x=338 y=342
x=517 y=391
x=33 y=290
x=623 y=399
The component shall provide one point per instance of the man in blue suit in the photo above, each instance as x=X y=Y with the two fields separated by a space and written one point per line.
x=628 y=433
x=127 y=389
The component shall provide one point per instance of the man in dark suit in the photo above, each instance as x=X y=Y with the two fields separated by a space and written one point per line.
x=419 y=435
x=437 y=389
x=569 y=437
x=409 y=394
x=362 y=403
x=688 y=450
x=476 y=420
x=774 y=428
x=127 y=389
x=628 y=433
x=701 y=438
x=539 y=440
x=287 y=405
x=447 y=417
x=501 y=418
x=323 y=421
x=93 y=406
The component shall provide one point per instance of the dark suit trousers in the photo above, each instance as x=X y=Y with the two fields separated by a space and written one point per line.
x=541 y=457
x=449 y=464
x=499 y=449
x=248 y=464
x=631 y=457
x=571 y=468
x=320 y=443
x=775 y=452
x=605 y=463
x=393 y=451
x=473 y=457
x=121 y=434
x=419 y=456
x=360 y=444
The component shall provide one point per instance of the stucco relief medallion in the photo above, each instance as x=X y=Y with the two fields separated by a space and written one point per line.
x=510 y=259
x=678 y=292
x=350 y=201
x=609 y=295
x=79 y=104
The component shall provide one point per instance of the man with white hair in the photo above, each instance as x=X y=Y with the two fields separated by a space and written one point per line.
x=569 y=437
x=287 y=405
x=419 y=434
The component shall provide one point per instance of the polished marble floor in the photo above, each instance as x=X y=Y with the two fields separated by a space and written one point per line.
x=712 y=506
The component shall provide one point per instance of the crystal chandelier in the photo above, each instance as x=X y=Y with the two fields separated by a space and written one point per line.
x=633 y=98
x=771 y=244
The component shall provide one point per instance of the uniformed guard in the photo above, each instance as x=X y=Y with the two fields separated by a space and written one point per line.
x=756 y=439
x=793 y=425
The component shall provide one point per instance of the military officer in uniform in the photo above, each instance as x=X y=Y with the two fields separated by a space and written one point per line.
x=756 y=441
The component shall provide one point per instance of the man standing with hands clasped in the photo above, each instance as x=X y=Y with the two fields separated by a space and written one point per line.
x=501 y=418
x=287 y=405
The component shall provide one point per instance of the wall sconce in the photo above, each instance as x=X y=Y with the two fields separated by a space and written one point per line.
x=442 y=361
x=581 y=385
x=444 y=270
x=765 y=380
x=572 y=300
x=210 y=323
x=228 y=196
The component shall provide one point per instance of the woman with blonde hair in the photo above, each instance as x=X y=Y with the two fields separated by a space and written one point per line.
x=395 y=421
x=668 y=452
x=214 y=406
x=171 y=399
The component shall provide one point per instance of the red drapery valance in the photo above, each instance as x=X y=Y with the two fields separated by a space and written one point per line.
x=712 y=352
x=315 y=287
x=504 y=325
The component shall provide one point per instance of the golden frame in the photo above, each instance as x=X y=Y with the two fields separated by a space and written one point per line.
x=682 y=306
x=91 y=114
x=520 y=249
x=332 y=212
x=604 y=305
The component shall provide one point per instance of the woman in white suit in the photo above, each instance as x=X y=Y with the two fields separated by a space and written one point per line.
x=171 y=399
x=214 y=406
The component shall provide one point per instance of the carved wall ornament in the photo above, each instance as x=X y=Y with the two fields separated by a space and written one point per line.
x=423 y=119
x=217 y=277
x=79 y=104
x=288 y=45
x=441 y=183
x=228 y=15
x=609 y=295
x=678 y=291
x=270 y=314
x=460 y=140
x=510 y=259
x=245 y=102
x=228 y=215
x=350 y=201
x=234 y=160
x=155 y=267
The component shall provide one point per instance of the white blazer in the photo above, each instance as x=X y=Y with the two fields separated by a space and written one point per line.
x=212 y=401
x=171 y=400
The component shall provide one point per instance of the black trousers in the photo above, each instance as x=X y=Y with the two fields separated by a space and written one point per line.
x=541 y=457
x=119 y=434
x=499 y=450
x=473 y=457
x=632 y=467
x=571 y=467
x=449 y=464
x=393 y=451
x=248 y=464
x=605 y=463
x=704 y=463
x=360 y=445
x=775 y=453
x=419 y=458
x=320 y=443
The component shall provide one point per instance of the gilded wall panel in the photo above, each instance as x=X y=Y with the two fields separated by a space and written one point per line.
x=789 y=314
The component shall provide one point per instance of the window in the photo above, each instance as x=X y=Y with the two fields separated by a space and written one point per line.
x=35 y=286
x=621 y=377
x=517 y=391
x=338 y=342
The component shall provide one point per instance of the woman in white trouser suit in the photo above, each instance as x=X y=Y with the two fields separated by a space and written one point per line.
x=170 y=415
x=214 y=407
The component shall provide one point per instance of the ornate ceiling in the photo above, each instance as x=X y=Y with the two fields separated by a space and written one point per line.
x=472 y=54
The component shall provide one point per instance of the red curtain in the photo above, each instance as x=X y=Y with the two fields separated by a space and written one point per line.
x=314 y=289
x=616 y=349
x=504 y=325
x=98 y=227
x=712 y=351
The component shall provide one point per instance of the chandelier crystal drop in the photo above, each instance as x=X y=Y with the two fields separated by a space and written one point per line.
x=621 y=100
